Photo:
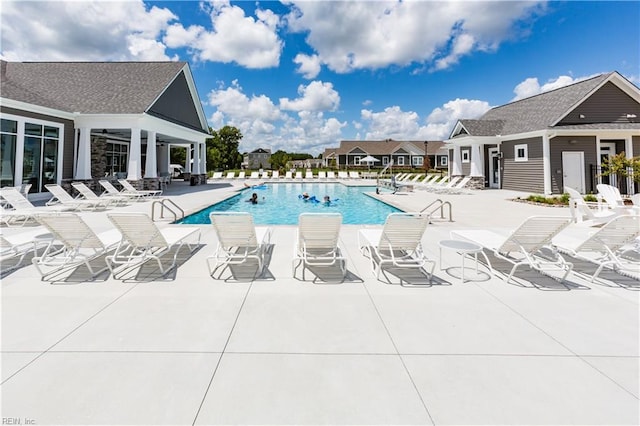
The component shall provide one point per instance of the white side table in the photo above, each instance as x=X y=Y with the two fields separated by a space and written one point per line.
x=465 y=248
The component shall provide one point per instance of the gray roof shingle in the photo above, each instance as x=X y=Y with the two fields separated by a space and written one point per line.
x=89 y=87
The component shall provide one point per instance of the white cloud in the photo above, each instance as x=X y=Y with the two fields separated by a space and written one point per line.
x=263 y=124
x=531 y=86
x=234 y=37
x=405 y=125
x=350 y=35
x=308 y=65
x=317 y=96
x=83 y=30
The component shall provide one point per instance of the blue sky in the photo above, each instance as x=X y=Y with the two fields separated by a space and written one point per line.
x=303 y=75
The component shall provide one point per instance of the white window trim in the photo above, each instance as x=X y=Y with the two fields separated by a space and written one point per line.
x=417 y=161
x=385 y=161
x=518 y=147
x=356 y=160
x=400 y=161
x=444 y=160
x=466 y=155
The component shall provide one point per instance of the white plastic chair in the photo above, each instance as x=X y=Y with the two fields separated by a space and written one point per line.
x=142 y=241
x=398 y=243
x=73 y=244
x=16 y=246
x=127 y=187
x=60 y=196
x=523 y=245
x=316 y=242
x=230 y=175
x=22 y=210
x=87 y=194
x=582 y=213
x=238 y=241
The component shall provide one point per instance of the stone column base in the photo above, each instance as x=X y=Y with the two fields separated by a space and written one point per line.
x=476 y=182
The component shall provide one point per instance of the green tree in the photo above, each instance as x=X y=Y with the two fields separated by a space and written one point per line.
x=178 y=155
x=222 y=148
x=279 y=160
x=622 y=167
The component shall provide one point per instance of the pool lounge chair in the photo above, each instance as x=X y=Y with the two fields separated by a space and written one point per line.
x=398 y=244
x=583 y=214
x=354 y=175
x=288 y=175
x=127 y=187
x=230 y=175
x=316 y=242
x=87 y=194
x=239 y=240
x=608 y=246
x=16 y=246
x=308 y=174
x=113 y=191
x=298 y=176
x=63 y=198
x=254 y=175
x=73 y=244
x=343 y=175
x=322 y=175
x=216 y=176
x=142 y=241
x=22 y=210
x=331 y=175
x=529 y=244
x=241 y=175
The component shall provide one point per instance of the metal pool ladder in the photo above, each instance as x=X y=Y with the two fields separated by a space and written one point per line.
x=168 y=204
x=438 y=205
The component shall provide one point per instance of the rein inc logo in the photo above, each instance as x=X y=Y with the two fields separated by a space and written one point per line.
x=18 y=421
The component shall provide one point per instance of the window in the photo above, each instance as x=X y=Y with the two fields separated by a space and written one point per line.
x=8 y=135
x=356 y=160
x=465 y=156
x=417 y=161
x=385 y=161
x=444 y=160
x=400 y=161
x=116 y=154
x=520 y=153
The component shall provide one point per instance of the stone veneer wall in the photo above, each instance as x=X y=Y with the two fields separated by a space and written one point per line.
x=476 y=182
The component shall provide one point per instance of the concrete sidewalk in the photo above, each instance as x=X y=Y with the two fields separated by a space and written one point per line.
x=278 y=350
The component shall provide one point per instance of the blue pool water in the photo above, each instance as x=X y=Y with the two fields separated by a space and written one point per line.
x=279 y=204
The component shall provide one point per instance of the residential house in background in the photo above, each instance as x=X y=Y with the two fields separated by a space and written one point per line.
x=404 y=154
x=257 y=159
x=84 y=121
x=555 y=139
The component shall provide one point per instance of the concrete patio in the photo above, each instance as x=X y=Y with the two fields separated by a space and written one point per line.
x=279 y=350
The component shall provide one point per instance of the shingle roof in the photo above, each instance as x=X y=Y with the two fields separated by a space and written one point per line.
x=89 y=87
x=540 y=111
x=386 y=146
x=483 y=127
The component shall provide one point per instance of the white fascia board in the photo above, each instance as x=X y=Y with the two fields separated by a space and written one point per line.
x=457 y=128
x=601 y=133
x=469 y=140
x=173 y=130
x=10 y=103
x=615 y=78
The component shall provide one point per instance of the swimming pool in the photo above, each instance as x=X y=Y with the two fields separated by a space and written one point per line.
x=278 y=204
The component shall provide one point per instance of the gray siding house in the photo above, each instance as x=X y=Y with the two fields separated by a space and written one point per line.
x=555 y=139
x=83 y=121
x=403 y=154
x=258 y=159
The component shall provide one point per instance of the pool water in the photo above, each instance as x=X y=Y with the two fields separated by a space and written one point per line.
x=279 y=204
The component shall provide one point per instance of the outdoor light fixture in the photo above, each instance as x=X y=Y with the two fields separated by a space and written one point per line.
x=582 y=116
x=631 y=116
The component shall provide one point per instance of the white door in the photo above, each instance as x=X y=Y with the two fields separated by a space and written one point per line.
x=573 y=170
x=494 y=168
x=607 y=150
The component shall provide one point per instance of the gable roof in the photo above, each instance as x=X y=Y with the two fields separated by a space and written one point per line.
x=542 y=111
x=95 y=87
x=386 y=147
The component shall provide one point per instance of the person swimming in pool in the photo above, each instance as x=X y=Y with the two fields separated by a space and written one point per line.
x=327 y=200
x=253 y=199
x=305 y=196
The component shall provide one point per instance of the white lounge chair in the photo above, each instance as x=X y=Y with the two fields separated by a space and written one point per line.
x=523 y=245
x=238 y=241
x=22 y=210
x=113 y=191
x=216 y=175
x=230 y=175
x=288 y=175
x=613 y=199
x=322 y=175
x=127 y=187
x=142 y=241
x=62 y=197
x=16 y=246
x=354 y=175
x=308 y=174
x=398 y=243
x=264 y=174
x=73 y=244
x=607 y=246
x=275 y=175
x=241 y=175
x=582 y=213
x=331 y=175
x=459 y=187
x=316 y=242
x=298 y=176
x=343 y=175
x=444 y=188
x=254 y=175
x=87 y=194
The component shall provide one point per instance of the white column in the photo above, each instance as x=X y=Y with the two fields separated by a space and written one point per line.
x=150 y=166
x=196 y=159
x=135 y=156
x=456 y=170
x=83 y=165
x=203 y=159
x=17 y=173
x=546 y=164
x=476 y=161
x=163 y=158
x=187 y=166
x=598 y=161
x=628 y=150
